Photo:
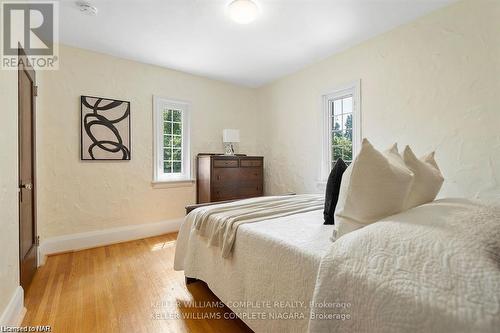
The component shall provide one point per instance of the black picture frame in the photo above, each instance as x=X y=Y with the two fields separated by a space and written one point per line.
x=122 y=148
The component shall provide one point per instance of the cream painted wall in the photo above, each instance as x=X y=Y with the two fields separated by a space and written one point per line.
x=433 y=84
x=76 y=196
x=9 y=221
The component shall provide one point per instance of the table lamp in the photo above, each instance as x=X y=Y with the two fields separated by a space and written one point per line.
x=230 y=136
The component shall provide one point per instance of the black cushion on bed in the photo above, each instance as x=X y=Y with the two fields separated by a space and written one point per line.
x=332 y=191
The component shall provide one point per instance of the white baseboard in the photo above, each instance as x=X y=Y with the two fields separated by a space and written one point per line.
x=109 y=236
x=14 y=312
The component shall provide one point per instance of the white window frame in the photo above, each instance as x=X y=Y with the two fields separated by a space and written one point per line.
x=159 y=104
x=353 y=88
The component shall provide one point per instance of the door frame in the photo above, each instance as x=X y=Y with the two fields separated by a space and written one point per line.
x=25 y=66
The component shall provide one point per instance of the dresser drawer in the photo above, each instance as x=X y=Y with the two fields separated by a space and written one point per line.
x=222 y=193
x=250 y=174
x=251 y=163
x=225 y=163
x=249 y=191
x=230 y=176
x=236 y=192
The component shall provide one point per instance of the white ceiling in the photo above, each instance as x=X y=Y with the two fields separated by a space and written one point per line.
x=197 y=37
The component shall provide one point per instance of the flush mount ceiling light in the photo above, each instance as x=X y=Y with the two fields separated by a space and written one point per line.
x=87 y=8
x=243 y=11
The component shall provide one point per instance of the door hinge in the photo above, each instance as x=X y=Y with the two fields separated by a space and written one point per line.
x=37 y=240
x=35 y=91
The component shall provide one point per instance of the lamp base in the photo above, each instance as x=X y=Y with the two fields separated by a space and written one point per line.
x=228 y=149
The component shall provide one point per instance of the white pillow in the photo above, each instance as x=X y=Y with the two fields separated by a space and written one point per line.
x=428 y=178
x=374 y=186
x=395 y=157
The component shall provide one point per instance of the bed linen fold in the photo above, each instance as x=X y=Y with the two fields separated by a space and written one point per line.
x=220 y=223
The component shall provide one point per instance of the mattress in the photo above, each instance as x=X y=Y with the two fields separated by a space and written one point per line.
x=267 y=300
x=434 y=268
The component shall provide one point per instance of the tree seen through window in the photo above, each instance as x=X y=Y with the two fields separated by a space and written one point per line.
x=172 y=141
x=341 y=112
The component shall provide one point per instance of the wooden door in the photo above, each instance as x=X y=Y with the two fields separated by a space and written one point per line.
x=28 y=239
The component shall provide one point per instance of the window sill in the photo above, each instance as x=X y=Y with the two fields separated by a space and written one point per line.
x=159 y=184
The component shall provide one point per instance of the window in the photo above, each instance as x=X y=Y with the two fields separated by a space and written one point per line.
x=172 y=153
x=342 y=126
x=341 y=114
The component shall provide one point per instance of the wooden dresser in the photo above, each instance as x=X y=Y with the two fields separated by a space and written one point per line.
x=221 y=177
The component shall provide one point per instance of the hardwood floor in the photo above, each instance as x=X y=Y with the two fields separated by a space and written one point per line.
x=127 y=287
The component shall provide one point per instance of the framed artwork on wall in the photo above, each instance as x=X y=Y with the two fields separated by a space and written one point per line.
x=105 y=129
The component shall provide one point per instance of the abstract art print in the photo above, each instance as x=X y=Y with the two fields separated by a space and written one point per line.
x=105 y=127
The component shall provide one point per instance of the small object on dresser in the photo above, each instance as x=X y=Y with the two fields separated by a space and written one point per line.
x=222 y=177
x=230 y=136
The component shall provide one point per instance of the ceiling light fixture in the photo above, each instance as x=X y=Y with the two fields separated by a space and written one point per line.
x=243 y=11
x=87 y=8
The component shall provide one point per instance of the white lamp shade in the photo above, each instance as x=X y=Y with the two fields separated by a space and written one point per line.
x=230 y=135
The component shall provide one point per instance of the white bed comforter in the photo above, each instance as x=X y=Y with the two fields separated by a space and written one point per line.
x=273 y=260
x=435 y=268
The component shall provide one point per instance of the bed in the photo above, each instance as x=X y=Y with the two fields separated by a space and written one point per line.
x=424 y=270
